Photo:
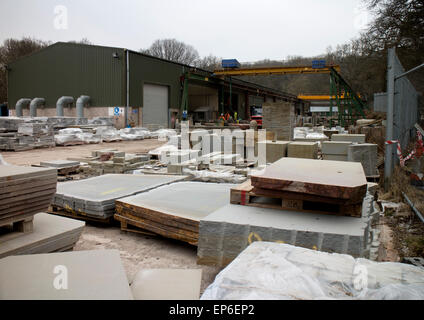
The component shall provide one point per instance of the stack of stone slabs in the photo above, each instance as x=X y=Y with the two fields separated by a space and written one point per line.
x=227 y=231
x=174 y=211
x=326 y=178
x=25 y=191
x=96 y=196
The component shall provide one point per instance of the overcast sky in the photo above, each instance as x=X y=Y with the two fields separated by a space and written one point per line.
x=247 y=30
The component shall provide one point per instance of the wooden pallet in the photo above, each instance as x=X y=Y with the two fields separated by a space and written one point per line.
x=246 y=194
x=147 y=225
x=16 y=227
x=77 y=215
x=127 y=225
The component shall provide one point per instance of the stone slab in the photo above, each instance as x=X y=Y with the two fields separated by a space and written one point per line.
x=10 y=172
x=92 y=275
x=97 y=195
x=50 y=233
x=335 y=179
x=174 y=211
x=359 y=138
x=226 y=232
x=59 y=163
x=192 y=200
x=167 y=284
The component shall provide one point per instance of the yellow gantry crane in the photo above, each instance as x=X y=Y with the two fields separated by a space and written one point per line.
x=349 y=104
x=275 y=70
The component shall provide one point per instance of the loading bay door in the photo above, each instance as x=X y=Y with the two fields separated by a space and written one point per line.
x=155 y=105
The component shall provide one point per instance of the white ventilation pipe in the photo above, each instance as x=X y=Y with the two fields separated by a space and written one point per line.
x=20 y=105
x=82 y=101
x=61 y=103
x=34 y=104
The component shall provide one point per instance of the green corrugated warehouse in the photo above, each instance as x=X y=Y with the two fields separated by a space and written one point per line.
x=154 y=92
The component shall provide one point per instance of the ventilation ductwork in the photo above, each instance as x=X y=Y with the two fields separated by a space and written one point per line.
x=20 y=105
x=82 y=101
x=34 y=104
x=61 y=103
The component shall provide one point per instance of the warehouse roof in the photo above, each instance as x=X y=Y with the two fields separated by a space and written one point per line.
x=235 y=81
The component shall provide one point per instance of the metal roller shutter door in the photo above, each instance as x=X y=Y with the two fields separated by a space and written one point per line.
x=155 y=105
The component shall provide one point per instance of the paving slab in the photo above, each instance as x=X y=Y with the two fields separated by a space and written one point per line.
x=91 y=275
x=96 y=196
x=50 y=233
x=59 y=163
x=24 y=191
x=226 y=232
x=175 y=210
x=167 y=284
x=10 y=172
x=359 y=138
x=335 y=179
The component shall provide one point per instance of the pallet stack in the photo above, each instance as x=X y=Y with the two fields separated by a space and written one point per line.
x=330 y=187
x=25 y=191
x=17 y=134
x=174 y=210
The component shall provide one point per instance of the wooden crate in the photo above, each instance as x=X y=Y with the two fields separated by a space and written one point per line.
x=246 y=194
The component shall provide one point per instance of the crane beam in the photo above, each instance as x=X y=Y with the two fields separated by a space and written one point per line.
x=275 y=70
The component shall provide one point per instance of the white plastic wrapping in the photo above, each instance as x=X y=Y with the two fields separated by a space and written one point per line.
x=267 y=270
x=210 y=176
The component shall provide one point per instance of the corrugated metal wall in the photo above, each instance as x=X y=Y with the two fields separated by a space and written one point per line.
x=144 y=69
x=66 y=69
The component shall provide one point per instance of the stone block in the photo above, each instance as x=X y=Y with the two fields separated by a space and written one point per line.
x=307 y=150
x=275 y=150
x=335 y=157
x=366 y=154
x=335 y=147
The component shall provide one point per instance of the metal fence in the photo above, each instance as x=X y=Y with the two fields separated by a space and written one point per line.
x=401 y=107
x=380 y=102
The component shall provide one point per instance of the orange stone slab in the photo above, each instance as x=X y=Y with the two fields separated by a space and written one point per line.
x=334 y=179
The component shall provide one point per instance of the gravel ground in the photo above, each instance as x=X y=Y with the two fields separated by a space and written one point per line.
x=148 y=252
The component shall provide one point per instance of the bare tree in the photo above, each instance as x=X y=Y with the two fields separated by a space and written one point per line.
x=209 y=63
x=82 y=41
x=174 y=50
x=11 y=50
